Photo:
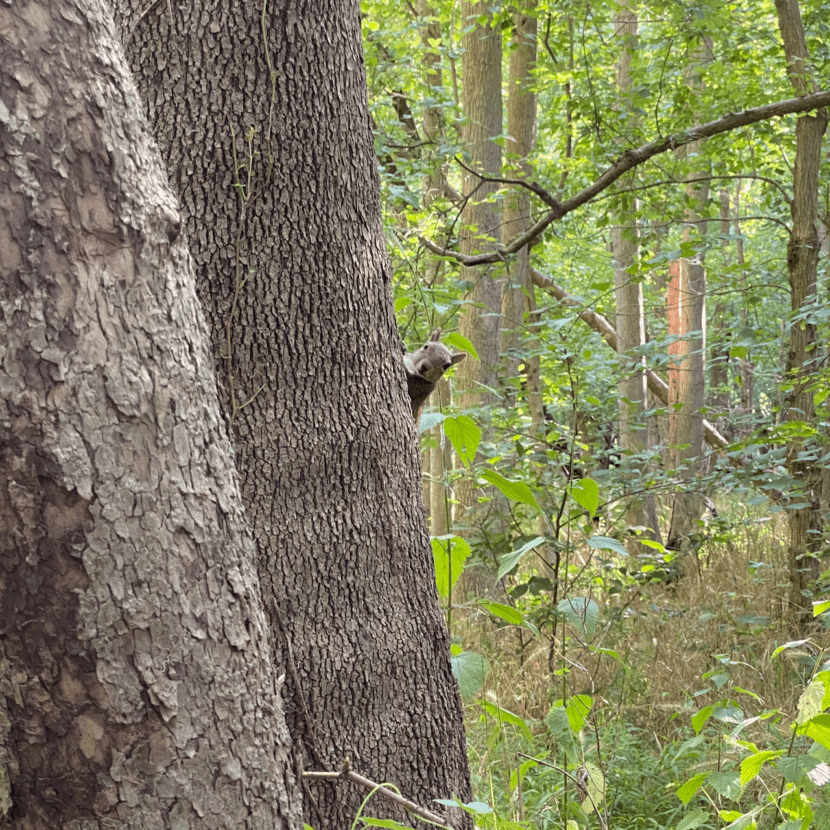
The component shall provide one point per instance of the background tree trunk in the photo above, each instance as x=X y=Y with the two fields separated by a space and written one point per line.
x=480 y=320
x=687 y=375
x=137 y=687
x=803 y=356
x=630 y=319
x=273 y=157
x=519 y=302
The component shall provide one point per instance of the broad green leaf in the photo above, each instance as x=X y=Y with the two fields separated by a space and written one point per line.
x=693 y=819
x=514 y=490
x=685 y=792
x=464 y=436
x=817 y=729
x=726 y=784
x=607 y=543
x=505 y=612
x=752 y=765
x=595 y=787
x=559 y=727
x=449 y=553
x=585 y=493
x=470 y=671
x=458 y=341
x=821 y=607
x=577 y=709
x=518 y=774
x=786 y=646
x=429 y=420
x=581 y=612
x=510 y=560
x=504 y=716
x=699 y=718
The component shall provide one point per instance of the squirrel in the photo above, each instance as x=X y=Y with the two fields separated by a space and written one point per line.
x=425 y=367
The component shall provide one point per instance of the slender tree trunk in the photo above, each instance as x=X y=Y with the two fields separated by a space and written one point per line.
x=481 y=218
x=805 y=522
x=641 y=512
x=519 y=302
x=438 y=458
x=137 y=686
x=273 y=156
x=687 y=376
x=480 y=320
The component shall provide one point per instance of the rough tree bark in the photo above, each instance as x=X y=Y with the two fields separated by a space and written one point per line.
x=262 y=117
x=136 y=682
x=803 y=355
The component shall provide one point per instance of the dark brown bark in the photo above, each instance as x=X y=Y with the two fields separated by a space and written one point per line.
x=803 y=356
x=294 y=276
x=136 y=682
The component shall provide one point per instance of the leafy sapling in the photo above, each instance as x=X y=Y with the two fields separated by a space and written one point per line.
x=425 y=367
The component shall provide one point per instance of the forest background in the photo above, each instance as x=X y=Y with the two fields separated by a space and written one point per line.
x=630 y=533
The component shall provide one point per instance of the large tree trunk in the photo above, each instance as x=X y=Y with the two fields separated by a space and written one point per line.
x=137 y=688
x=803 y=355
x=262 y=117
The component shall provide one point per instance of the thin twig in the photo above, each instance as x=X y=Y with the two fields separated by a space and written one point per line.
x=384 y=790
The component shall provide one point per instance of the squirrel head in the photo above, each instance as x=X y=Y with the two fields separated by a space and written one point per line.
x=433 y=359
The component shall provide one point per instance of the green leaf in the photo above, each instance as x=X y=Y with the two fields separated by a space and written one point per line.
x=514 y=490
x=693 y=819
x=388 y=823
x=607 y=543
x=449 y=553
x=470 y=671
x=429 y=420
x=821 y=607
x=577 y=709
x=726 y=784
x=817 y=729
x=751 y=766
x=595 y=787
x=461 y=343
x=581 y=612
x=699 y=718
x=510 y=560
x=464 y=436
x=505 y=612
x=686 y=791
x=585 y=493
x=504 y=716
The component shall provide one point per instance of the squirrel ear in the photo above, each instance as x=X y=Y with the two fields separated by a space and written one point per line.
x=435 y=335
x=457 y=358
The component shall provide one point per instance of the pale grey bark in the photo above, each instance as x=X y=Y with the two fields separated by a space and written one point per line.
x=262 y=117
x=137 y=688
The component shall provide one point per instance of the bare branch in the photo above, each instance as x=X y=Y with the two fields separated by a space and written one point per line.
x=657 y=386
x=633 y=158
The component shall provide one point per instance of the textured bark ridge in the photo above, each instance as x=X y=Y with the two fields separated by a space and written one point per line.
x=136 y=688
x=294 y=276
